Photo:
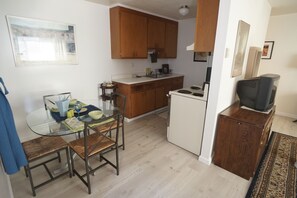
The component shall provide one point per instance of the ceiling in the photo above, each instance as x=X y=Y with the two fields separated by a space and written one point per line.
x=280 y=7
x=169 y=8
x=166 y=8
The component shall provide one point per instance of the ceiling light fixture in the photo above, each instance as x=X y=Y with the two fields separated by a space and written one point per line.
x=184 y=10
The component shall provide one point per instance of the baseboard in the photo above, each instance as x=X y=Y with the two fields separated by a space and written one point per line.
x=146 y=114
x=286 y=114
x=205 y=160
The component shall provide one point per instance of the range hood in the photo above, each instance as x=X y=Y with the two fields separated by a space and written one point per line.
x=190 y=47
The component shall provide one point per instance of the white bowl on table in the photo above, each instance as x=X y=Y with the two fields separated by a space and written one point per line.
x=95 y=114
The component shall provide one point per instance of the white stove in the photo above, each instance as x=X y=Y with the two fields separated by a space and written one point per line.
x=195 y=92
x=186 y=117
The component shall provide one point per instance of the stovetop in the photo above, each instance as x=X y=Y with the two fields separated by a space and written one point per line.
x=195 y=92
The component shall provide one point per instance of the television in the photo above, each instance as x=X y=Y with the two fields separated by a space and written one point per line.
x=258 y=93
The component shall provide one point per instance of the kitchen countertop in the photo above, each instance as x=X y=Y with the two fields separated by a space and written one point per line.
x=136 y=80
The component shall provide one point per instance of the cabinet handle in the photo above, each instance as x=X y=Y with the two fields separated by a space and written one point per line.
x=239 y=123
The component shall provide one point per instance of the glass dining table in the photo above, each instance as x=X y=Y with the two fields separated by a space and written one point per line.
x=42 y=121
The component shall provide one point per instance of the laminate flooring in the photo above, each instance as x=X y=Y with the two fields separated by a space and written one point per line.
x=149 y=167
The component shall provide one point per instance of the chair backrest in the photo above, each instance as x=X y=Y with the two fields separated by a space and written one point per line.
x=119 y=101
x=101 y=127
x=49 y=100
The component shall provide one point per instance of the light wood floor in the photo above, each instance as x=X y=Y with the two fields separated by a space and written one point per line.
x=150 y=167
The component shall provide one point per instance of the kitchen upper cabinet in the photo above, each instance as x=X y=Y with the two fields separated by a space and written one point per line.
x=156 y=34
x=162 y=36
x=128 y=30
x=206 y=25
x=133 y=33
x=171 y=31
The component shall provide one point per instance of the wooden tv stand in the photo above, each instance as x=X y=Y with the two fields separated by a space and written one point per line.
x=241 y=138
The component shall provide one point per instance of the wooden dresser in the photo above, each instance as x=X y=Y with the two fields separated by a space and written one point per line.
x=241 y=138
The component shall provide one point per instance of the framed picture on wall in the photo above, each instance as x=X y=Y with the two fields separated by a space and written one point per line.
x=201 y=56
x=267 y=50
x=40 y=42
x=240 y=47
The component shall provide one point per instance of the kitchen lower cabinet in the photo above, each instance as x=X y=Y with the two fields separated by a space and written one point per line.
x=161 y=98
x=142 y=102
x=144 y=97
x=241 y=138
x=162 y=89
x=176 y=83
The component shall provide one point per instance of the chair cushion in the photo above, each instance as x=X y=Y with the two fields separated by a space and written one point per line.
x=96 y=143
x=43 y=146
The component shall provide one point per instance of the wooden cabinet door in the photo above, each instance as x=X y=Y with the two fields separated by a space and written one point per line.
x=138 y=103
x=236 y=146
x=241 y=138
x=171 y=40
x=162 y=90
x=177 y=83
x=150 y=100
x=206 y=25
x=263 y=142
x=145 y=97
x=142 y=102
x=156 y=34
x=161 y=99
x=133 y=32
x=244 y=142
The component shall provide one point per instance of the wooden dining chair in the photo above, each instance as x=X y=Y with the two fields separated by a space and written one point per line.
x=94 y=143
x=39 y=149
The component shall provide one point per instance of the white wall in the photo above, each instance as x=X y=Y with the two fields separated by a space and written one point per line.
x=195 y=72
x=5 y=187
x=282 y=30
x=222 y=86
x=28 y=84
